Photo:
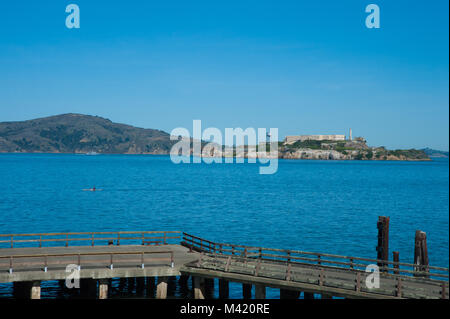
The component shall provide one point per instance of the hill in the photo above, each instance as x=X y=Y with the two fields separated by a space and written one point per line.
x=435 y=153
x=77 y=133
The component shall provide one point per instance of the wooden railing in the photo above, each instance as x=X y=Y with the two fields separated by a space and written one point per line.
x=351 y=282
x=44 y=263
x=89 y=238
x=311 y=258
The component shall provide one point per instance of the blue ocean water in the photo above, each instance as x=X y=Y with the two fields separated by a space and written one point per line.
x=324 y=206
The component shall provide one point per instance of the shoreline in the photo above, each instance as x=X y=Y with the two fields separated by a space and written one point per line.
x=430 y=159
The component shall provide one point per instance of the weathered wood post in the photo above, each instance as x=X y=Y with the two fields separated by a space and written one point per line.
x=171 y=285
x=199 y=287
x=383 y=240
x=122 y=284
x=103 y=288
x=183 y=283
x=421 y=252
x=224 y=289
x=396 y=258
x=36 y=290
x=88 y=288
x=247 y=291
x=150 y=287
x=140 y=286
x=209 y=287
x=131 y=283
x=260 y=292
x=183 y=280
x=161 y=288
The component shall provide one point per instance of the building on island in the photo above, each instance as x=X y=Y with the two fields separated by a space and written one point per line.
x=295 y=138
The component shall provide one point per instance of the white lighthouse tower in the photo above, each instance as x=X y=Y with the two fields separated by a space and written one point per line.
x=350 y=135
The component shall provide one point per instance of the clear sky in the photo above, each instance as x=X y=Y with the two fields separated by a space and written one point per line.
x=305 y=67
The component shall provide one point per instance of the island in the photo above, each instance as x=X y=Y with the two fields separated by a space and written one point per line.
x=86 y=134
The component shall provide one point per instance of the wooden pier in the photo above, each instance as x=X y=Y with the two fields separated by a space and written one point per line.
x=28 y=259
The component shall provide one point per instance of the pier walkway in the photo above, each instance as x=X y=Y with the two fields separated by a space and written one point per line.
x=31 y=258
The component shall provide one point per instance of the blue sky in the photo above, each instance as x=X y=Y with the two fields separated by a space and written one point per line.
x=305 y=67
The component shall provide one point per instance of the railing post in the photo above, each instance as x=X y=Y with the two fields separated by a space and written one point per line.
x=165 y=238
x=143 y=238
x=443 y=294
x=399 y=287
x=396 y=259
x=45 y=263
x=288 y=272
x=111 y=262
x=118 y=239
x=12 y=241
x=351 y=263
x=40 y=241
x=318 y=260
x=358 y=281
x=67 y=240
x=232 y=250
x=321 y=277
x=92 y=239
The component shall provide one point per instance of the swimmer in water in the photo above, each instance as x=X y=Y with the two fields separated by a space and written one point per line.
x=93 y=189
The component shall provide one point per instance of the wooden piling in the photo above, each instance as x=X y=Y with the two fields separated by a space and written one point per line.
x=150 y=287
x=247 y=291
x=140 y=286
x=183 y=280
x=209 y=287
x=260 y=292
x=131 y=283
x=35 y=290
x=224 y=289
x=122 y=284
x=88 y=288
x=383 y=240
x=184 y=287
x=199 y=287
x=103 y=288
x=421 y=252
x=161 y=288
